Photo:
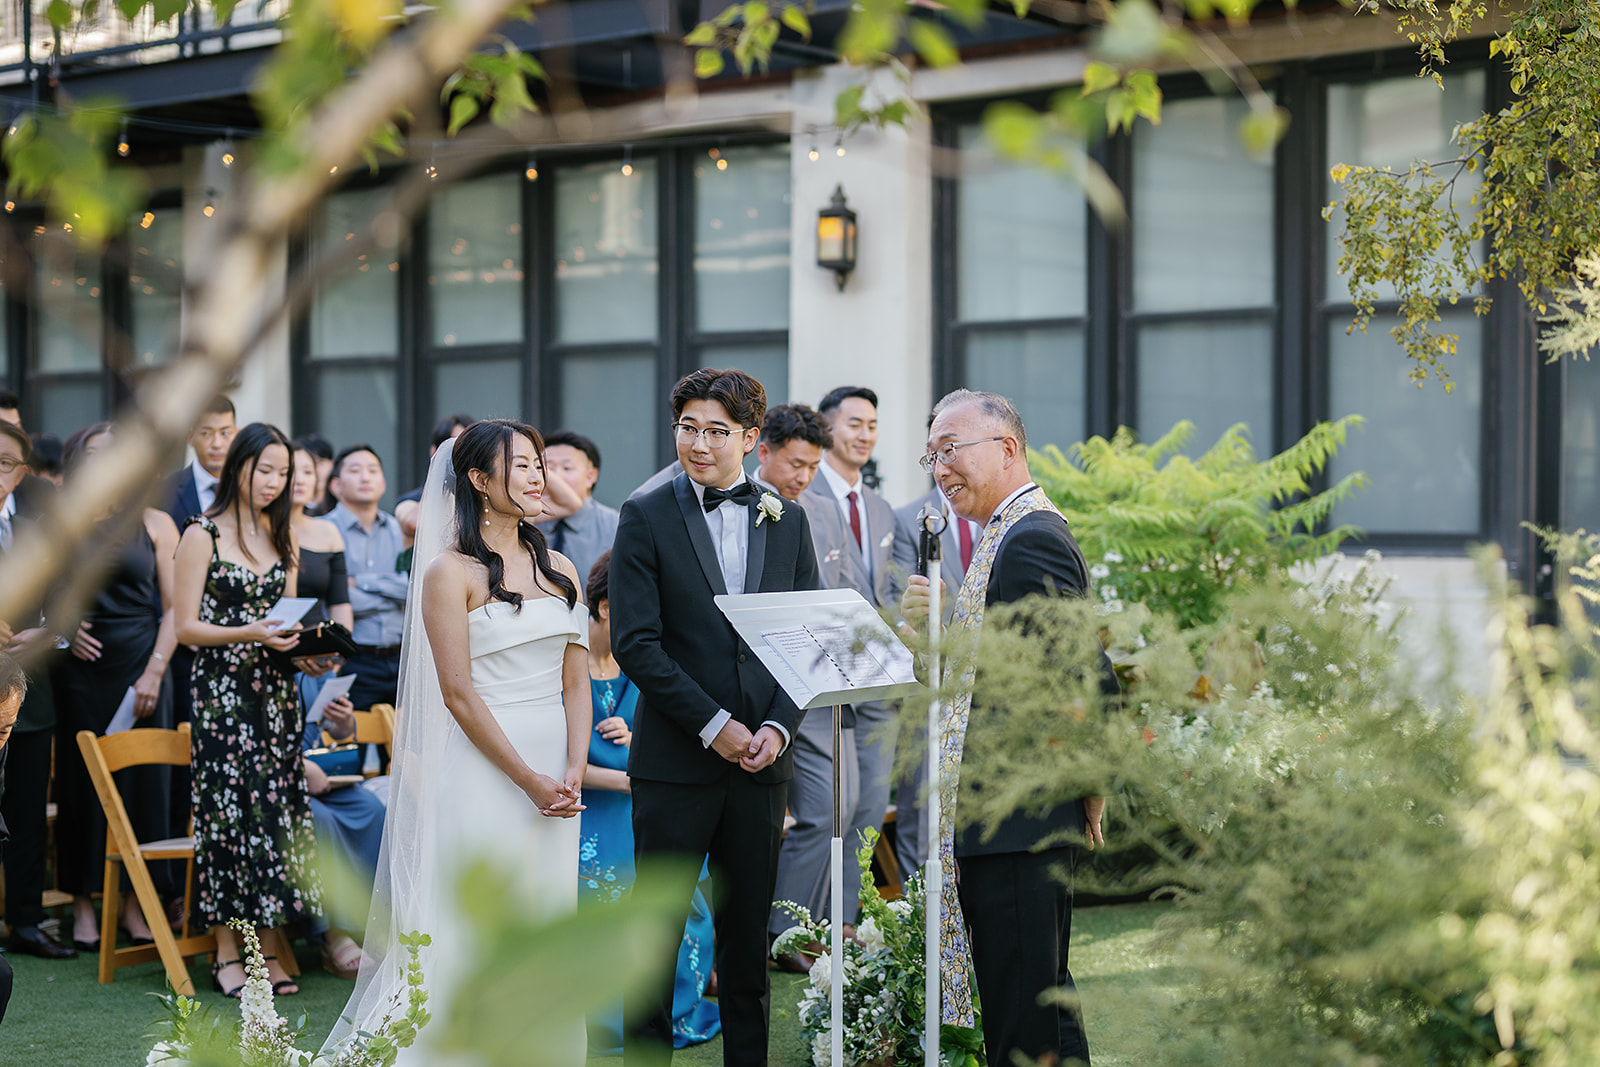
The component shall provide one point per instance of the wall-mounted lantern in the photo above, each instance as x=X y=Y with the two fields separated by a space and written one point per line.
x=836 y=238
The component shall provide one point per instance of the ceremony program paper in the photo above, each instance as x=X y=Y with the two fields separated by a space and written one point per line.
x=835 y=657
x=290 y=610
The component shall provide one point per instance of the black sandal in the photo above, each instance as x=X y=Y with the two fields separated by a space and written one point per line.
x=279 y=987
x=216 y=983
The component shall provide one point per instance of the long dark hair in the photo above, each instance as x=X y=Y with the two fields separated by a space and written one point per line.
x=243 y=454
x=72 y=451
x=478 y=448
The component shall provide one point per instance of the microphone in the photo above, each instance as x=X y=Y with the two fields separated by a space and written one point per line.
x=931 y=522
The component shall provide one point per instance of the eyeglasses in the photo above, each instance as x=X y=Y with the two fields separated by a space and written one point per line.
x=946 y=453
x=9 y=465
x=716 y=436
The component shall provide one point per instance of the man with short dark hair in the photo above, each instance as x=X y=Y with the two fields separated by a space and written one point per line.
x=13 y=691
x=585 y=534
x=710 y=761
x=378 y=589
x=793 y=439
x=10 y=407
x=194 y=488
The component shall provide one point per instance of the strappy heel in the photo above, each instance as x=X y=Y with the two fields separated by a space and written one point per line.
x=286 y=988
x=216 y=981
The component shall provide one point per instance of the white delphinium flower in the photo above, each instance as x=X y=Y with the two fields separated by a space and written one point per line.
x=870 y=936
x=790 y=940
x=264 y=1035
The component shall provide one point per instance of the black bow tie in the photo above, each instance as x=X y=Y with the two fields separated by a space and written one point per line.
x=742 y=493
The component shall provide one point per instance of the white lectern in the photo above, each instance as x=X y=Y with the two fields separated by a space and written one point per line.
x=826 y=648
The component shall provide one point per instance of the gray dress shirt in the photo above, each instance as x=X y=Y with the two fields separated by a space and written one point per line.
x=378 y=596
x=584 y=535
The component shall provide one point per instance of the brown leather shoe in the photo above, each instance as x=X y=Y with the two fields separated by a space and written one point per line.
x=35 y=942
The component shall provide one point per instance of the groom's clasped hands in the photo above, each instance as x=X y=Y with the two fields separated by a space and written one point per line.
x=754 y=752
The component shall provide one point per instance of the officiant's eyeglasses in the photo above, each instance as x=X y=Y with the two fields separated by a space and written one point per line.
x=946 y=453
x=715 y=436
x=8 y=465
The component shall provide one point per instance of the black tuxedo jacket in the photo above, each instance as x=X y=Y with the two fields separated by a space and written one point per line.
x=183 y=499
x=673 y=642
x=1038 y=556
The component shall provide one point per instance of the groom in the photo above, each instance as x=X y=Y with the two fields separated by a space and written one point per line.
x=710 y=761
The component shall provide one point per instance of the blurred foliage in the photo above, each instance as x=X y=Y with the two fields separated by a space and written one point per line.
x=1538 y=155
x=1177 y=535
x=1366 y=870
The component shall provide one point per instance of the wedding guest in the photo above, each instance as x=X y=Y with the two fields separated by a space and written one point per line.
x=583 y=533
x=23 y=805
x=793 y=439
x=321 y=453
x=192 y=490
x=405 y=508
x=852 y=528
x=322 y=563
x=124 y=642
x=13 y=691
x=372 y=545
x=957 y=541
x=711 y=764
x=349 y=830
x=1002 y=889
x=10 y=408
x=605 y=856
x=47 y=458
x=254 y=844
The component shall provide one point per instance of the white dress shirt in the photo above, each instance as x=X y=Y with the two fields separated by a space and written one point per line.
x=729 y=524
x=1007 y=503
x=842 y=490
x=205 y=486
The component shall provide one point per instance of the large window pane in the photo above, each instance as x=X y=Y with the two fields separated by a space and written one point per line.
x=1420 y=448
x=613 y=400
x=741 y=251
x=1212 y=373
x=1391 y=123
x=1580 y=445
x=767 y=364
x=357 y=314
x=1020 y=239
x=358 y=406
x=1202 y=211
x=1041 y=371
x=70 y=306
x=475 y=274
x=482 y=388
x=66 y=407
x=155 y=286
x=606 y=253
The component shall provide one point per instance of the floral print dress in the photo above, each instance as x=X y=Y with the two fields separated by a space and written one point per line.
x=254 y=844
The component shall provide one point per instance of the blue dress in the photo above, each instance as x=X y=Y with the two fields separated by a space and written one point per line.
x=605 y=875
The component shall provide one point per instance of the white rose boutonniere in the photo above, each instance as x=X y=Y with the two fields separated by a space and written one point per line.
x=768 y=507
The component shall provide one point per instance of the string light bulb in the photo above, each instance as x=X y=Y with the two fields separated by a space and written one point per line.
x=227 y=150
x=122 y=140
x=211 y=204
x=838 y=147
x=627 y=161
x=432 y=169
x=11 y=205
x=532 y=173
x=813 y=155
x=146 y=220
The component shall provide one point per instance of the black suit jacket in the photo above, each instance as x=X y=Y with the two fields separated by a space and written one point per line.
x=38 y=707
x=1038 y=556
x=673 y=642
x=183 y=499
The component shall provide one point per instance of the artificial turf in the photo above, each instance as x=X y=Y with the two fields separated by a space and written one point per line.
x=60 y=1016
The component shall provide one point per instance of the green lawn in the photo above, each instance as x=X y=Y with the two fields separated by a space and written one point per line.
x=61 y=1017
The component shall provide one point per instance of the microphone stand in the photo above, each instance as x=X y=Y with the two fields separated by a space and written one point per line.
x=933 y=523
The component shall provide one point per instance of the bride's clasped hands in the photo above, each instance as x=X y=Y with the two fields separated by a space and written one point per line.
x=558 y=800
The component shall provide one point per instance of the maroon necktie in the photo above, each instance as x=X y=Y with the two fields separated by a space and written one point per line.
x=964 y=529
x=855 y=517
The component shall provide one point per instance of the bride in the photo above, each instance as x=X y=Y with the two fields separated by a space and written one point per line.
x=493 y=726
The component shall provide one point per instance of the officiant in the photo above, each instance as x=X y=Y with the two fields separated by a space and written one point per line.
x=1006 y=918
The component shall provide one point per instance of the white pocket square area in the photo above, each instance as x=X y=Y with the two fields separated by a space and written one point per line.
x=831 y=557
x=888 y=540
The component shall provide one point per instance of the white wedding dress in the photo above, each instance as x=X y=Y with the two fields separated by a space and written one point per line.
x=450 y=808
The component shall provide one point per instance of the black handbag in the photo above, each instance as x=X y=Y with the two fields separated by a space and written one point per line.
x=323 y=639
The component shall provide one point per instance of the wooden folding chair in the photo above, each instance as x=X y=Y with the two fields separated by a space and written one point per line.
x=104 y=756
x=892 y=889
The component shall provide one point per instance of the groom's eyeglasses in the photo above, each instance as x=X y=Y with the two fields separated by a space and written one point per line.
x=715 y=436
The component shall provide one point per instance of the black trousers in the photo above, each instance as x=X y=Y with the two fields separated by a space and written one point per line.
x=1019 y=918
x=23 y=808
x=5 y=986
x=738 y=822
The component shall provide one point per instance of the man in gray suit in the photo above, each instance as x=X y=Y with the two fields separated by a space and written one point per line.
x=852 y=529
x=956 y=544
x=584 y=535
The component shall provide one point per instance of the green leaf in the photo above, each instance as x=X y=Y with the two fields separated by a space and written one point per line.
x=130 y=8
x=1100 y=76
x=167 y=10
x=463 y=109
x=932 y=43
x=708 y=63
x=1133 y=31
x=701 y=36
x=847 y=108
x=795 y=18
x=60 y=13
x=1260 y=131
x=1013 y=128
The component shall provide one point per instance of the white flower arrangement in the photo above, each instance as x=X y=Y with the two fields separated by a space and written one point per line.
x=769 y=507
x=883 y=983
x=264 y=1038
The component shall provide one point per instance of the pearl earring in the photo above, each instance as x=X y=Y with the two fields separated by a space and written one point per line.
x=486 y=509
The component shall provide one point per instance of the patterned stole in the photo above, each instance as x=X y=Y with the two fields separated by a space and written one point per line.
x=955 y=954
